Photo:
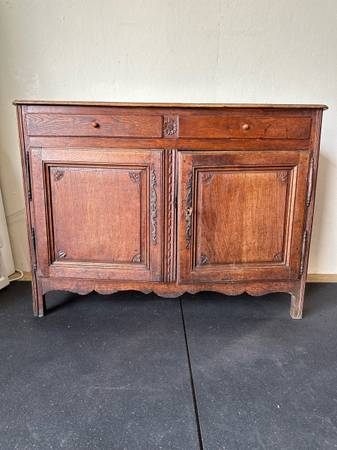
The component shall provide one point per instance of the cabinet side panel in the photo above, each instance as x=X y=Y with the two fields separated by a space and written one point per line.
x=25 y=157
x=311 y=187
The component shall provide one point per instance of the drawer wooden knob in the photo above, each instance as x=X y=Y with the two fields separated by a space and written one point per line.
x=95 y=124
x=61 y=254
x=245 y=127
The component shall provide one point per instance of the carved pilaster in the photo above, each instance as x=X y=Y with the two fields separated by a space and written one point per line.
x=170 y=215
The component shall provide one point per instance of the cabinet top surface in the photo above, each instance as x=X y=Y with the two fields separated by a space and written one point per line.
x=168 y=105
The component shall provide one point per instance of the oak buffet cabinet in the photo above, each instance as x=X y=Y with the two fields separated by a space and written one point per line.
x=169 y=198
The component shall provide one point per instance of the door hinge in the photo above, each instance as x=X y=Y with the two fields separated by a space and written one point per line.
x=34 y=265
x=28 y=182
x=310 y=181
x=304 y=249
x=33 y=239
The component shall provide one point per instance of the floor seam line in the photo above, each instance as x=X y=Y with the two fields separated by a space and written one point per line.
x=195 y=403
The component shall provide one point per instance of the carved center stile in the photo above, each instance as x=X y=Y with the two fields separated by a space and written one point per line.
x=170 y=212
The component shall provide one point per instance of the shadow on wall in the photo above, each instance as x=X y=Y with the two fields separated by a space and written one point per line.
x=15 y=211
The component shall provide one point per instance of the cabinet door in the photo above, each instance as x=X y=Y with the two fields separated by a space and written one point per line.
x=98 y=213
x=241 y=215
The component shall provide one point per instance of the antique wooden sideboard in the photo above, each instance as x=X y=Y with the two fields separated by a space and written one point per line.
x=169 y=198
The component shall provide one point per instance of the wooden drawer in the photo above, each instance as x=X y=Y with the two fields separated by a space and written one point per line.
x=148 y=126
x=244 y=127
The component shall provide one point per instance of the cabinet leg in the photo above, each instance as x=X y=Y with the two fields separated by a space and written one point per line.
x=39 y=303
x=297 y=299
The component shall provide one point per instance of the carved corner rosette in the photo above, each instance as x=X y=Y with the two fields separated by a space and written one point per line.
x=170 y=126
x=282 y=175
x=135 y=176
x=153 y=205
x=203 y=260
x=188 y=211
x=61 y=254
x=136 y=258
x=207 y=178
x=58 y=174
x=278 y=257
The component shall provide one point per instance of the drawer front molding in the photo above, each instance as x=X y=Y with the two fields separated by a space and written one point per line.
x=244 y=127
x=99 y=125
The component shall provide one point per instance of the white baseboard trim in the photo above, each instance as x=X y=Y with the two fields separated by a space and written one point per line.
x=3 y=282
x=322 y=278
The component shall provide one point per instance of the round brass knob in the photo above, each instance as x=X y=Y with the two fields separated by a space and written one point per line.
x=95 y=124
x=245 y=127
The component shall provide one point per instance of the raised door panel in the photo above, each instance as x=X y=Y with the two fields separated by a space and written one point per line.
x=241 y=215
x=98 y=212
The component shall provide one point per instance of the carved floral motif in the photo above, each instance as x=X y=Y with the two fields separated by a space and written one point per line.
x=58 y=174
x=207 y=178
x=135 y=176
x=170 y=127
x=136 y=259
x=203 y=260
x=153 y=206
x=188 y=211
x=278 y=257
x=282 y=175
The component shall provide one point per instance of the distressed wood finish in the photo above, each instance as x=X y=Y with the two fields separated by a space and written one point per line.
x=116 y=125
x=238 y=218
x=104 y=214
x=169 y=198
x=245 y=126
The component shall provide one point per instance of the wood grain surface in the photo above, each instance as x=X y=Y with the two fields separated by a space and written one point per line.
x=169 y=198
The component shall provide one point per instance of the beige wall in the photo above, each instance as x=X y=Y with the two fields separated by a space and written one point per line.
x=171 y=50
